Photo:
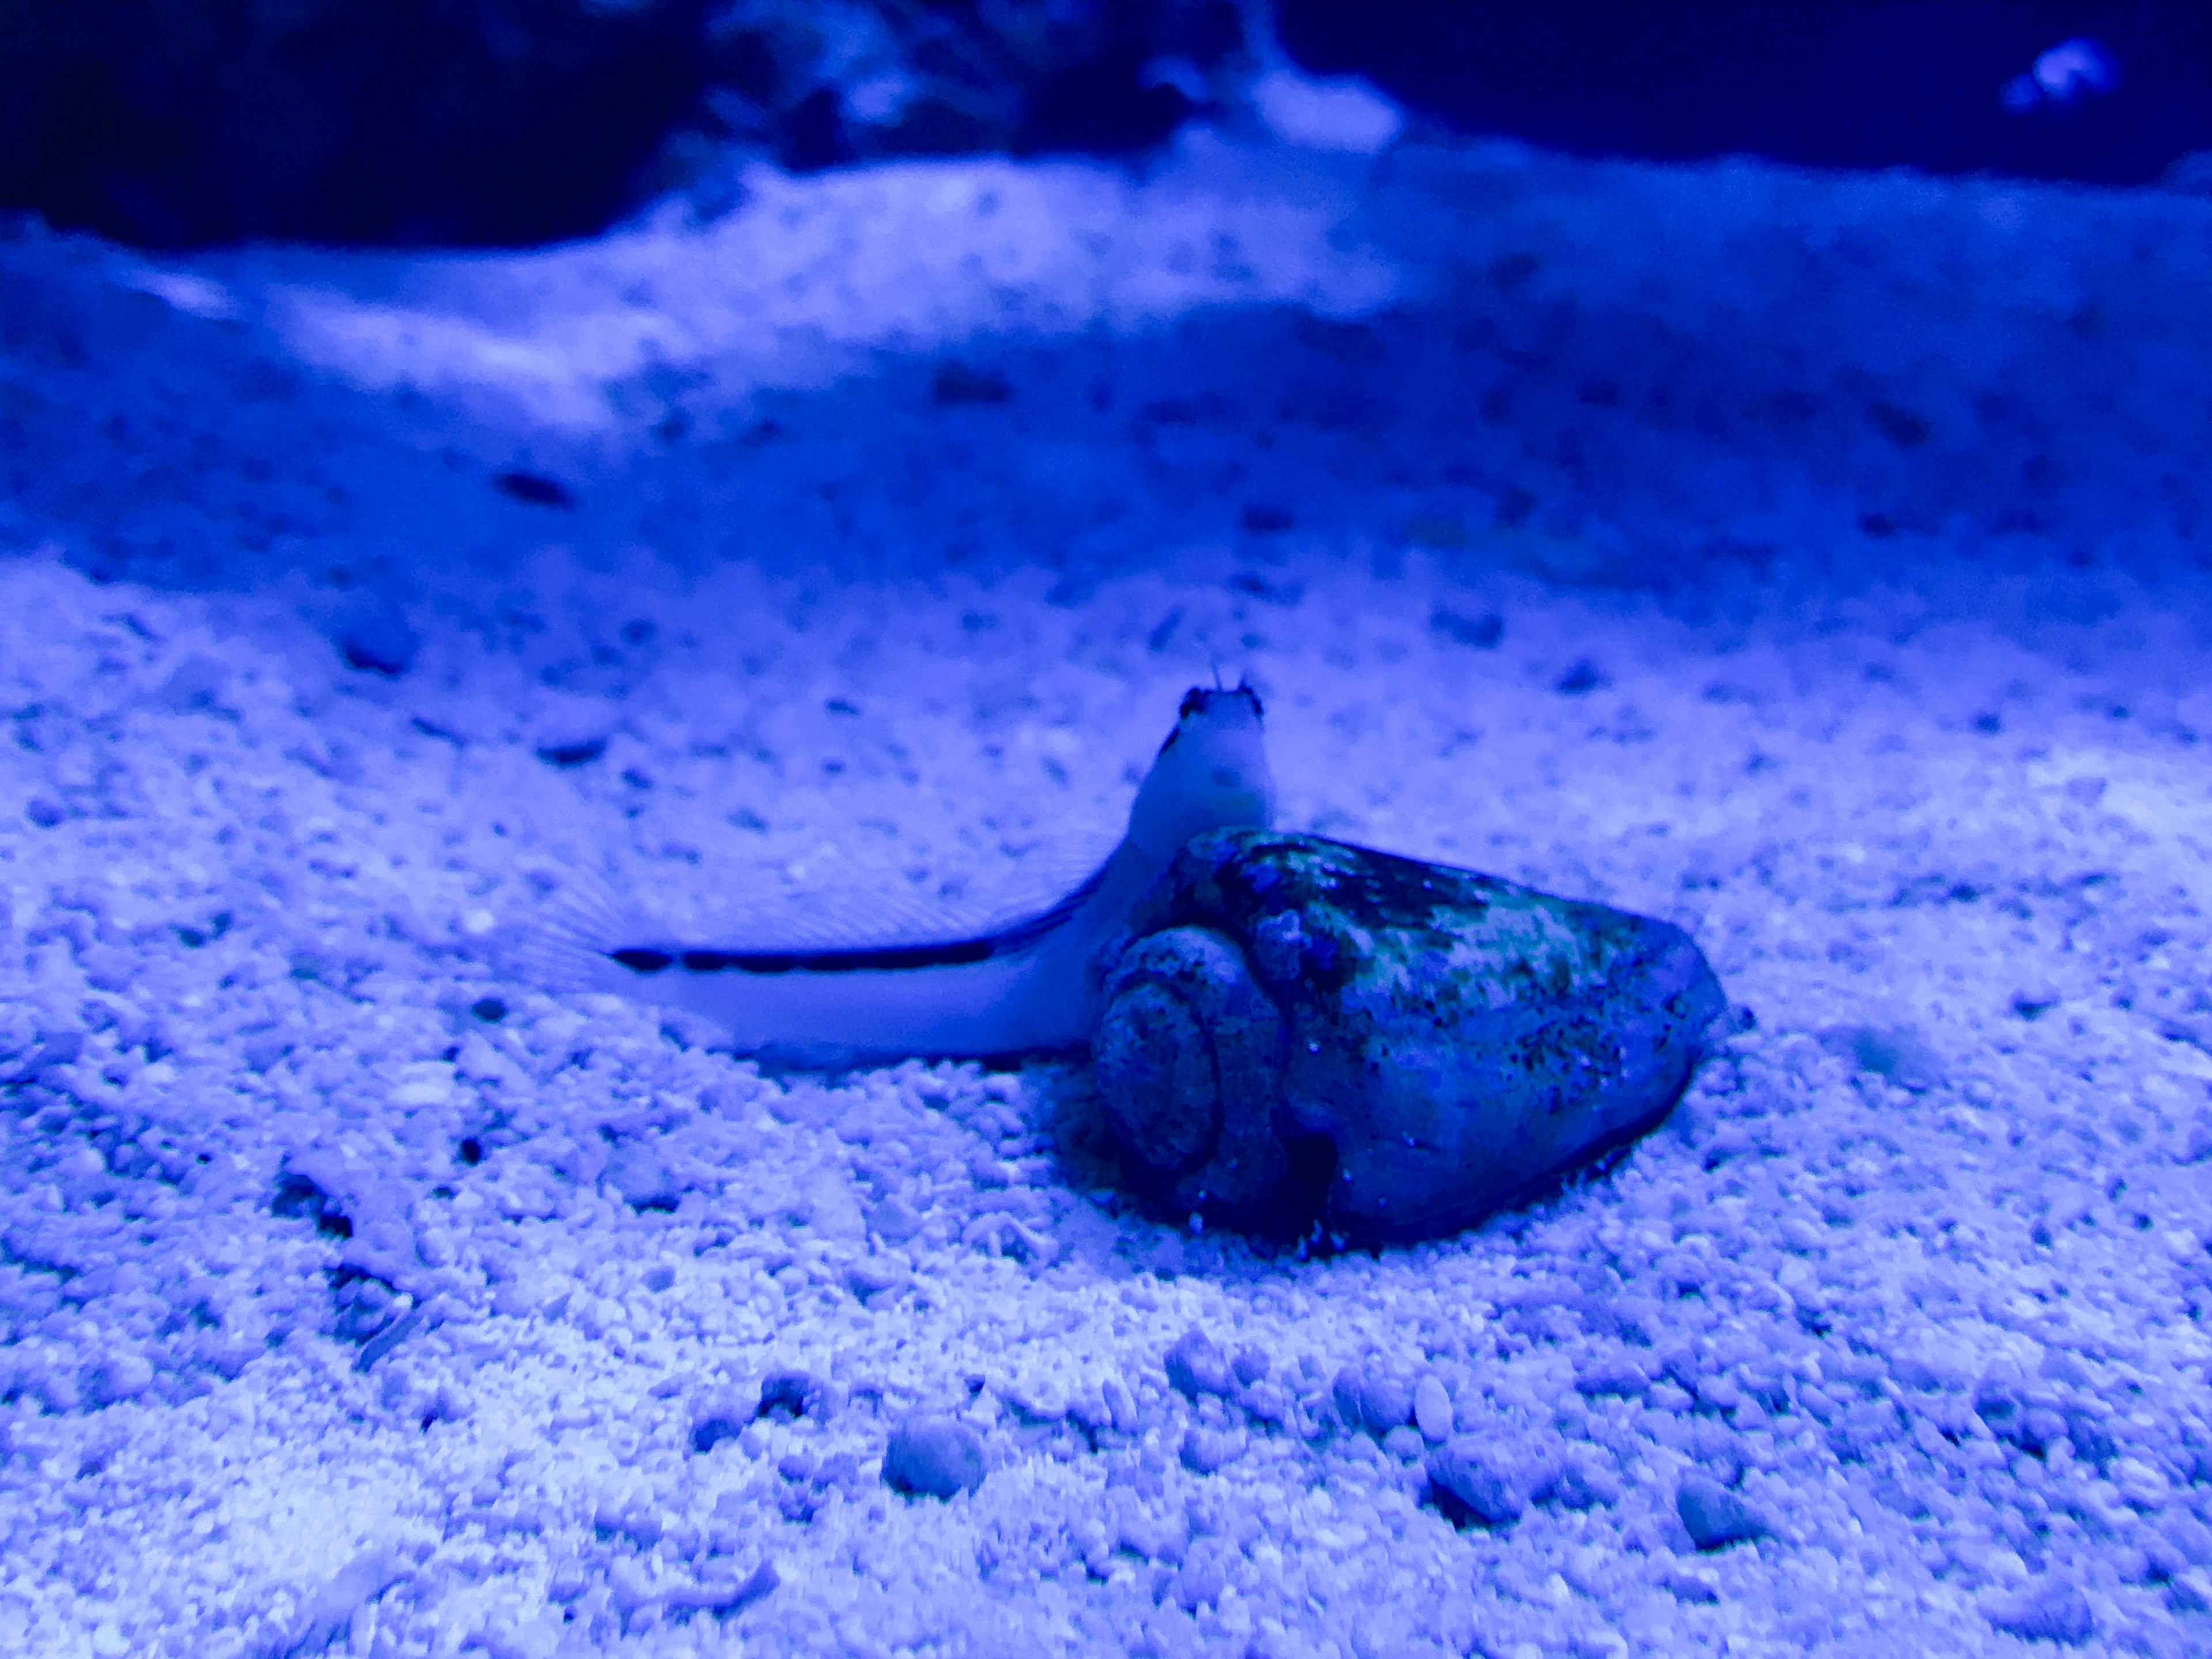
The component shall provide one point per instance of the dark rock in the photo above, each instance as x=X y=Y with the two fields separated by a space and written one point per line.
x=377 y=640
x=534 y=488
x=1714 y=1516
x=1196 y=1366
x=1581 y=679
x=1472 y=1481
x=786 y=1396
x=363 y=1304
x=717 y=1419
x=298 y=1196
x=2000 y=1401
x=2049 y=1612
x=1482 y=632
x=933 y=1456
x=2092 y=1441
x=955 y=383
x=568 y=755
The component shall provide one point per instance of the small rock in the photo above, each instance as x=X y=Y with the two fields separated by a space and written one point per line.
x=1714 y=1516
x=1205 y=1450
x=1405 y=1443
x=1432 y=1411
x=1898 y=1052
x=720 y=1416
x=873 y=1275
x=1482 y=632
x=376 y=639
x=933 y=1456
x=1196 y=1366
x=1469 y=1481
x=2052 y=1612
x=2092 y=1441
x=1584 y=677
x=786 y=1396
x=1688 y=1587
x=122 y=1376
x=640 y=1177
x=1998 y=1399
x=1612 y=1374
x=1579 y=1484
x=534 y=489
x=633 y=1518
x=1370 y=1398
x=724 y=1598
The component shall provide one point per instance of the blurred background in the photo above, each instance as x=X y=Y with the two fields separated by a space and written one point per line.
x=192 y=122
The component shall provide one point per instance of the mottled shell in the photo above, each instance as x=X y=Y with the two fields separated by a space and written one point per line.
x=1296 y=1030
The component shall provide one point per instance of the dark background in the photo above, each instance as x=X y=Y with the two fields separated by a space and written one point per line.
x=181 y=123
x=1834 y=83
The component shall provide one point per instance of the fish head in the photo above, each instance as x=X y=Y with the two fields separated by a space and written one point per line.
x=1210 y=774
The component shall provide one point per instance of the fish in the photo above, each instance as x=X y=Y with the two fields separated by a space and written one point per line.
x=2072 y=72
x=821 y=996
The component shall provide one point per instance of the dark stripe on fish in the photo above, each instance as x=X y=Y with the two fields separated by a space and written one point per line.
x=647 y=960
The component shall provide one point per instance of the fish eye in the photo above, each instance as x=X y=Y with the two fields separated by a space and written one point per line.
x=1193 y=703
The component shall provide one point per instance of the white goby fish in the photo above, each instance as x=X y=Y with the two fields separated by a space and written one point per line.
x=1020 y=989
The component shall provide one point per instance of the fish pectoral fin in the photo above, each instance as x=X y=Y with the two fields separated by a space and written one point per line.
x=569 y=943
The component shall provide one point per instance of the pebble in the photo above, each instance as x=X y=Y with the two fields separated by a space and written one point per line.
x=1370 y=1398
x=1714 y=1516
x=786 y=1396
x=1579 y=1484
x=2054 y=1613
x=1196 y=1366
x=640 y=1177
x=933 y=1456
x=1690 y=1586
x=1205 y=1450
x=1432 y=1411
x=1611 y=1376
x=1472 y=1482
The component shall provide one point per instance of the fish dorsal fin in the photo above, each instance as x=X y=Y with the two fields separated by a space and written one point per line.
x=858 y=919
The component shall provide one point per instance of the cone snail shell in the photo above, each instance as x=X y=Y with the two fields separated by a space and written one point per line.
x=1294 y=1031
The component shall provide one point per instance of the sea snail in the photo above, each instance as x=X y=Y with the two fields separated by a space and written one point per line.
x=1297 y=1033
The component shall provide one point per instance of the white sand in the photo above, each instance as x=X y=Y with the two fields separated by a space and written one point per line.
x=1878 y=509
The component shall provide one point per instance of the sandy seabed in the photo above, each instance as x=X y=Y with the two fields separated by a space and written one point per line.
x=1820 y=563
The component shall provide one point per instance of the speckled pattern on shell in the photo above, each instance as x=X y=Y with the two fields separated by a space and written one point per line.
x=1297 y=1030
